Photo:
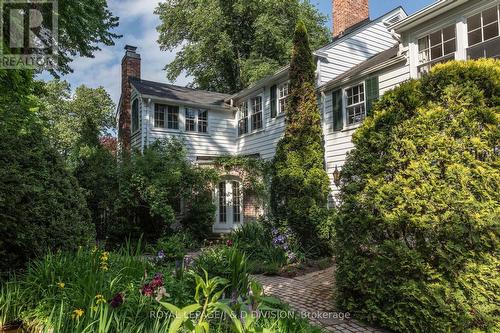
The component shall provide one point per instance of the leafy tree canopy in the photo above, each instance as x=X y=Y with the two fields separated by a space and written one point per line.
x=227 y=45
x=66 y=114
x=420 y=213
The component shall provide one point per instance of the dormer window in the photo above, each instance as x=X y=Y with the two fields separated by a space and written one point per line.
x=437 y=47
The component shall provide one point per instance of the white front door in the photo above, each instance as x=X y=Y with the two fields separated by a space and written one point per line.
x=229 y=201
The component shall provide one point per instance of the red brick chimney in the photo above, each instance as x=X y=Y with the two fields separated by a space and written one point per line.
x=131 y=67
x=347 y=13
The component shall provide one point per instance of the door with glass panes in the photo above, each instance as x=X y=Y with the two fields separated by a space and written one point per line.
x=229 y=201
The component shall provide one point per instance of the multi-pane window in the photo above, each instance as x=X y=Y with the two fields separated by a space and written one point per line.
x=173 y=117
x=222 y=202
x=166 y=115
x=190 y=120
x=482 y=33
x=203 y=121
x=196 y=120
x=243 y=122
x=236 y=202
x=160 y=115
x=282 y=97
x=437 y=47
x=135 y=115
x=256 y=113
x=355 y=104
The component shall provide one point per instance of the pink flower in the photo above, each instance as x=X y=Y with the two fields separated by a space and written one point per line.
x=229 y=242
x=147 y=290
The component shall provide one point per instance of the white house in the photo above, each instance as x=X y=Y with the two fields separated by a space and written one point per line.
x=365 y=59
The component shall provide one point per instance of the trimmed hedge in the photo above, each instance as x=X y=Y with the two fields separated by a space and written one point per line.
x=418 y=227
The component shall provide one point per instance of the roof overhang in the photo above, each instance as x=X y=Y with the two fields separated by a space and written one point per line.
x=224 y=107
x=337 y=83
x=425 y=14
x=279 y=75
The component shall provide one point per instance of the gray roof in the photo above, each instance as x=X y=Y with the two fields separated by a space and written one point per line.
x=377 y=59
x=178 y=93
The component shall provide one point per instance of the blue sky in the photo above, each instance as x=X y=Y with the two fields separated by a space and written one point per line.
x=138 y=27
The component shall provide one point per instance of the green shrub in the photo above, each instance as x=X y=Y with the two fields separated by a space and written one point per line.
x=418 y=226
x=215 y=260
x=171 y=248
x=41 y=204
x=152 y=187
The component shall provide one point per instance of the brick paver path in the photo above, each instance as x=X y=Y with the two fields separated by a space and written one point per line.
x=312 y=295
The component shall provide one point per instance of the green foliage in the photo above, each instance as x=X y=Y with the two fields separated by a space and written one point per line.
x=41 y=204
x=172 y=247
x=227 y=45
x=66 y=114
x=152 y=187
x=300 y=185
x=97 y=291
x=417 y=231
x=81 y=28
x=254 y=173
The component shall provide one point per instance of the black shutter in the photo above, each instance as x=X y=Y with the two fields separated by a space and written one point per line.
x=273 y=101
x=371 y=94
x=338 y=120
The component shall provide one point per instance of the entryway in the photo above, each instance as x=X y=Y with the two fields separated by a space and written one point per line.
x=229 y=203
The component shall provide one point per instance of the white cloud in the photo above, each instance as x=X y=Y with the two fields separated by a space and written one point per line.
x=138 y=26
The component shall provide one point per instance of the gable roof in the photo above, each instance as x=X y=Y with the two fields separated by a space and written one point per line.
x=360 y=26
x=425 y=14
x=178 y=93
x=366 y=67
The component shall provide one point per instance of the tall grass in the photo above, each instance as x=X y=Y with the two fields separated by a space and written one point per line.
x=71 y=293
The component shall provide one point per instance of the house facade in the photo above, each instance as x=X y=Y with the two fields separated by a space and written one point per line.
x=365 y=59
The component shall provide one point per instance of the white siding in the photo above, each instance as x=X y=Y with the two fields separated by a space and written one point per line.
x=338 y=144
x=392 y=77
x=355 y=48
x=219 y=140
x=263 y=142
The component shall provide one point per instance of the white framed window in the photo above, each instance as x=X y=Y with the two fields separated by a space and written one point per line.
x=483 y=31
x=196 y=120
x=166 y=116
x=355 y=109
x=202 y=121
x=282 y=97
x=190 y=122
x=243 y=119
x=135 y=116
x=256 y=113
x=437 y=47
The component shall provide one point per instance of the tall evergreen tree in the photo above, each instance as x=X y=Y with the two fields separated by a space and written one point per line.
x=299 y=189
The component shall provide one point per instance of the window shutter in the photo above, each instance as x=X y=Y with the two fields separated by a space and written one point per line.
x=273 y=101
x=338 y=120
x=371 y=94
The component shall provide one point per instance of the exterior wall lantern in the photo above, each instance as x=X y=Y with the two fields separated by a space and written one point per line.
x=336 y=177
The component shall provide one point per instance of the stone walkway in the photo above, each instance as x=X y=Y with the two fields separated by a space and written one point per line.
x=312 y=295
